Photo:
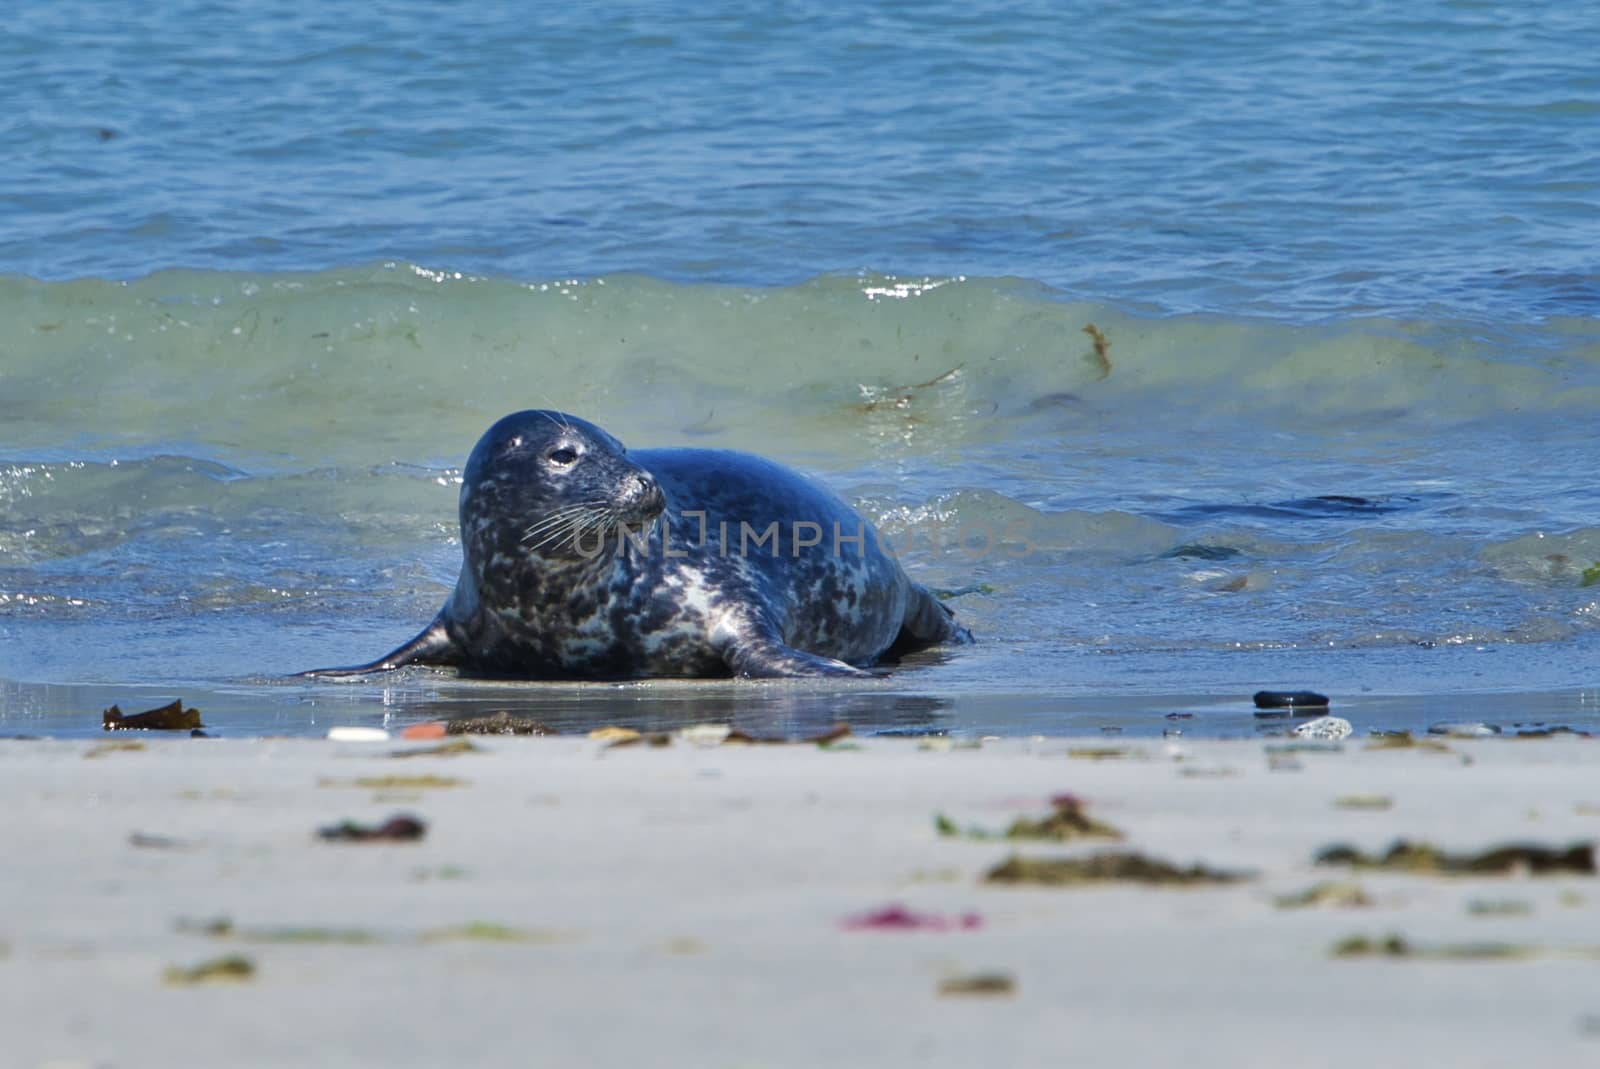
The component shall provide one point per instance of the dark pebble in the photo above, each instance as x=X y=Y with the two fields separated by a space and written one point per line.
x=400 y=828
x=1290 y=699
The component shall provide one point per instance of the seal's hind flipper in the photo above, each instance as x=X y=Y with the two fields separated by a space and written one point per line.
x=928 y=622
x=766 y=657
x=432 y=646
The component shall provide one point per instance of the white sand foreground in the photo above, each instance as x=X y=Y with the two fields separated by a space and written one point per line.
x=573 y=905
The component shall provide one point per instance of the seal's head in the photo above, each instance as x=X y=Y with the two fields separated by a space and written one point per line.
x=548 y=485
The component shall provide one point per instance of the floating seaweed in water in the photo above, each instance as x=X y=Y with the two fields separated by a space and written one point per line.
x=1428 y=860
x=1102 y=349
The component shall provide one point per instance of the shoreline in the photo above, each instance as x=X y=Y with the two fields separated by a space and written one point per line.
x=573 y=904
x=911 y=703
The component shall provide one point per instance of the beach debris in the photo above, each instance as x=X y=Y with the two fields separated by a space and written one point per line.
x=827 y=739
x=355 y=733
x=233 y=969
x=170 y=717
x=613 y=733
x=395 y=783
x=120 y=746
x=453 y=748
x=1375 y=802
x=1341 y=894
x=1467 y=729
x=1103 y=753
x=683 y=946
x=1403 y=740
x=499 y=722
x=1331 y=728
x=898 y=918
x=1397 y=946
x=145 y=841
x=1499 y=907
x=486 y=932
x=981 y=984
x=1427 y=860
x=224 y=928
x=636 y=738
x=400 y=828
x=1067 y=821
x=1113 y=867
x=705 y=734
x=1295 y=746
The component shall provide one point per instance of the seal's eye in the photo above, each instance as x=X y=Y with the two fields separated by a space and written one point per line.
x=562 y=456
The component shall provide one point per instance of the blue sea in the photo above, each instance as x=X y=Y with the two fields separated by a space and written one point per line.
x=1269 y=333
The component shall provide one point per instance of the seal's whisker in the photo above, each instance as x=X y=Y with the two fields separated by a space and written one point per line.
x=560 y=517
x=574 y=525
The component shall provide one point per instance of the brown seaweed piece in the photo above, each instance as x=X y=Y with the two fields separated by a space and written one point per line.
x=172 y=717
x=989 y=984
x=1404 y=740
x=1067 y=822
x=1117 y=867
x=400 y=828
x=233 y=968
x=1397 y=946
x=445 y=749
x=1328 y=893
x=1427 y=860
x=497 y=723
x=833 y=734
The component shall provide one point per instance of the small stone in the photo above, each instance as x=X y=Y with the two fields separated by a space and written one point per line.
x=1464 y=729
x=1289 y=699
x=705 y=734
x=351 y=733
x=1324 y=727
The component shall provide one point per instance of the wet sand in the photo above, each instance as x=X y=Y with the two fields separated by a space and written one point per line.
x=572 y=904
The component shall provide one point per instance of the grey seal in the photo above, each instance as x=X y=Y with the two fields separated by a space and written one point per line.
x=585 y=561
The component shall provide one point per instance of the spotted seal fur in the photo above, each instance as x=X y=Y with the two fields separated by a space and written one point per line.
x=585 y=561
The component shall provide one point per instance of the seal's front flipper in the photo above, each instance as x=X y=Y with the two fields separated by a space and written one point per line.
x=432 y=646
x=761 y=657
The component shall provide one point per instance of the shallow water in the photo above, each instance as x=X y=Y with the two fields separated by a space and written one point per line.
x=1301 y=393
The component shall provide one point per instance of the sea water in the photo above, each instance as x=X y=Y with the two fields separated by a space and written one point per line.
x=1192 y=349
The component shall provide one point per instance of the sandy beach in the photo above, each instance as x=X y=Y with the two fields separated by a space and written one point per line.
x=569 y=903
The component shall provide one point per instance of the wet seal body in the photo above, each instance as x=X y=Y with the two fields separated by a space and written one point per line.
x=585 y=561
